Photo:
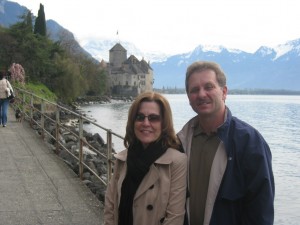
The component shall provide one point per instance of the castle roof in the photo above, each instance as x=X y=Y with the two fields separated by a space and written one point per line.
x=131 y=65
x=118 y=47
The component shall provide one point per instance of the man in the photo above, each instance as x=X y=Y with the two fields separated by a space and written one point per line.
x=230 y=178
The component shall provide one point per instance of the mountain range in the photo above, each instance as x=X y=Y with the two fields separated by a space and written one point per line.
x=275 y=68
x=268 y=68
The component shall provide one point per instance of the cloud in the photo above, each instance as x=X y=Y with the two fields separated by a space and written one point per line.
x=174 y=26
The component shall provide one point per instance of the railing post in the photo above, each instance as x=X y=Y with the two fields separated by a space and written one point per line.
x=23 y=108
x=57 y=130
x=31 y=110
x=81 y=148
x=109 y=155
x=43 y=119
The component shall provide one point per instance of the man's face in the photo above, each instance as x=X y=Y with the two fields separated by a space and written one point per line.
x=206 y=97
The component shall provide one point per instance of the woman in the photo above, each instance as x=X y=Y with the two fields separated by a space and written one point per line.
x=4 y=102
x=148 y=186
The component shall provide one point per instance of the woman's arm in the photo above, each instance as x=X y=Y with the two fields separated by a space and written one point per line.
x=176 y=205
x=110 y=196
x=9 y=86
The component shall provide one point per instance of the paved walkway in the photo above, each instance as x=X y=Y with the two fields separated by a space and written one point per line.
x=36 y=186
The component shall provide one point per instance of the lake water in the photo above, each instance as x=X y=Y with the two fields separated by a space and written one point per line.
x=276 y=117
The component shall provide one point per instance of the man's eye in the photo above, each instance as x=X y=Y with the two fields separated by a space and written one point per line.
x=194 y=90
x=209 y=87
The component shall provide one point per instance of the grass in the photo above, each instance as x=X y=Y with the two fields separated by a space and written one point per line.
x=38 y=89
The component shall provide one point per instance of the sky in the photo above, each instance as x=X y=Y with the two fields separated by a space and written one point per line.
x=177 y=26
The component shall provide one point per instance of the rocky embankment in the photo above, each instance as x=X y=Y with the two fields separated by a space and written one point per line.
x=70 y=142
x=100 y=99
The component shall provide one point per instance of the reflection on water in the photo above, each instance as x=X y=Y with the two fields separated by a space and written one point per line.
x=276 y=117
x=110 y=116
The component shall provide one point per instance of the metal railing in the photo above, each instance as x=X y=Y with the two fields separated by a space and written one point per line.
x=39 y=112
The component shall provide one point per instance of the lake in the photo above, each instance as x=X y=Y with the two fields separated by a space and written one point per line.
x=276 y=117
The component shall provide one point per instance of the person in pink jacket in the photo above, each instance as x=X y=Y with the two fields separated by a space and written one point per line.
x=148 y=186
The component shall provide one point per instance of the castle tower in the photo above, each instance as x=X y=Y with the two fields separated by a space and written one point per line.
x=117 y=55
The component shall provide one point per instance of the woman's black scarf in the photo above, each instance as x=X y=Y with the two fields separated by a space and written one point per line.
x=139 y=161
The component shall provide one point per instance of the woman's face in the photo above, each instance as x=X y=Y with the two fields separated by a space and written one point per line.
x=147 y=126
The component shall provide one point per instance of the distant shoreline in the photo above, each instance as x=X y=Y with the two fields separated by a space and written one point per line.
x=87 y=100
x=235 y=91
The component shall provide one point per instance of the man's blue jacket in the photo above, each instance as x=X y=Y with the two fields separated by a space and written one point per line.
x=245 y=195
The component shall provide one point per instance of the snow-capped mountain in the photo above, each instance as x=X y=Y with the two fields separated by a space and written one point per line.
x=99 y=49
x=267 y=68
x=289 y=47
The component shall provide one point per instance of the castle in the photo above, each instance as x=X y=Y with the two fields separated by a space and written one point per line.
x=128 y=76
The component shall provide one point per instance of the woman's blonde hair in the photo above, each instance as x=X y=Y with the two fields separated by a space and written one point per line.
x=168 y=135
